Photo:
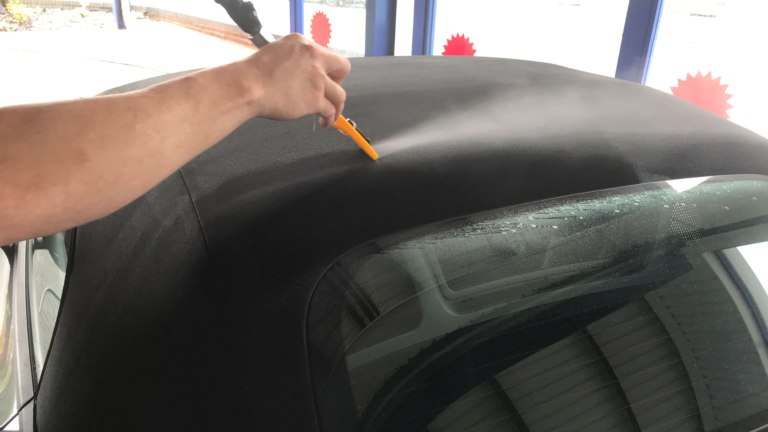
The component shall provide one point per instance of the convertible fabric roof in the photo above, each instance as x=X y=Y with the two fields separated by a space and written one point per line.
x=186 y=310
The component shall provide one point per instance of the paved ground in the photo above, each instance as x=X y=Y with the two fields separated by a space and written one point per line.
x=44 y=66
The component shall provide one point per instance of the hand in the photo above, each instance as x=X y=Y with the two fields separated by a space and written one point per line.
x=295 y=77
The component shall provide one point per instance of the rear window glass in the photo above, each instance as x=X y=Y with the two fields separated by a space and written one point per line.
x=639 y=308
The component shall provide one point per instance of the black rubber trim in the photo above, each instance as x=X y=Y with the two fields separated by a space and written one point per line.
x=197 y=214
x=744 y=291
x=27 y=276
x=71 y=246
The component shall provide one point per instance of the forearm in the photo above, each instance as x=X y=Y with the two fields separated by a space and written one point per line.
x=67 y=163
x=62 y=164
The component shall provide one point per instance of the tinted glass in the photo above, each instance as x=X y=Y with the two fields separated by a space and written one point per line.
x=628 y=309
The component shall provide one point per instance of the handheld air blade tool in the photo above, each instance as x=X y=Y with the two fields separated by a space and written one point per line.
x=349 y=128
x=244 y=15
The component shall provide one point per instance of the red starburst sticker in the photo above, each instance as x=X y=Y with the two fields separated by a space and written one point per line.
x=321 y=29
x=704 y=91
x=459 y=45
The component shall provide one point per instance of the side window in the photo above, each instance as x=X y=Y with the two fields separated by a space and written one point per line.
x=47 y=266
x=634 y=309
x=8 y=388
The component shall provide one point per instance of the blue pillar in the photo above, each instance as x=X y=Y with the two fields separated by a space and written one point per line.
x=380 y=18
x=638 y=40
x=117 y=11
x=423 y=26
x=297 y=15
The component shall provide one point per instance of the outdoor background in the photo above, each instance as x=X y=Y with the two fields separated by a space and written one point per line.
x=706 y=51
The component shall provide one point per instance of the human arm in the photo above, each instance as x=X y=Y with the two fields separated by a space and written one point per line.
x=66 y=163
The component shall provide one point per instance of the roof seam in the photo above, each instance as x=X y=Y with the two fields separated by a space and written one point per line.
x=197 y=214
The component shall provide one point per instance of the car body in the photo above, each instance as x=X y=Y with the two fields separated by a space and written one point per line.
x=202 y=305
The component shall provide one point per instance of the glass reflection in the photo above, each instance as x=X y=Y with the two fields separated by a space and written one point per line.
x=631 y=309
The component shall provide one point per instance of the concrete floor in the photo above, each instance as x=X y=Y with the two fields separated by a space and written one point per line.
x=47 y=66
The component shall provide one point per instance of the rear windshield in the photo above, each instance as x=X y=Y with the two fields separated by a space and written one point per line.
x=639 y=308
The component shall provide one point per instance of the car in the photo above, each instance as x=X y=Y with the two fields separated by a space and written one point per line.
x=537 y=249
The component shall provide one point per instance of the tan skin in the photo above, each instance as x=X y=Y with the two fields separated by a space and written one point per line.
x=66 y=163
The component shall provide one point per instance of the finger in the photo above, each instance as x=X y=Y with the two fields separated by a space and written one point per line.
x=327 y=114
x=336 y=95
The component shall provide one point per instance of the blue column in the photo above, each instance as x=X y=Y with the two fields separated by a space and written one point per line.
x=380 y=27
x=638 y=40
x=117 y=11
x=423 y=26
x=297 y=15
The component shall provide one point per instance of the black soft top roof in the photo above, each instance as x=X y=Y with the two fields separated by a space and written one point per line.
x=187 y=309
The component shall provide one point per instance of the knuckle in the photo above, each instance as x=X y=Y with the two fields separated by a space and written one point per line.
x=310 y=51
x=296 y=37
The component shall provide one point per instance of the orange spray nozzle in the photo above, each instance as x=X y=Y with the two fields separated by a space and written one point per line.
x=346 y=127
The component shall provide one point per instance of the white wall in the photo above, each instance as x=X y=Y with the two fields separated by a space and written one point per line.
x=581 y=34
x=725 y=37
x=273 y=14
